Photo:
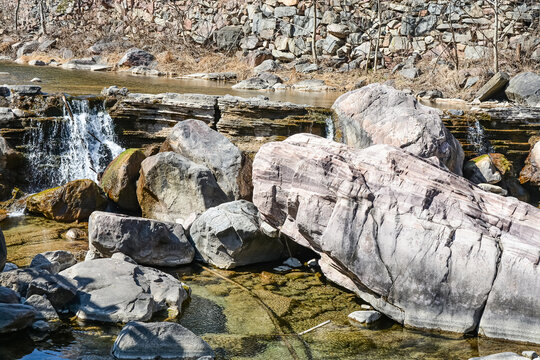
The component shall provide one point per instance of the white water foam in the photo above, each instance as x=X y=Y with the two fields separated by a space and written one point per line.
x=75 y=147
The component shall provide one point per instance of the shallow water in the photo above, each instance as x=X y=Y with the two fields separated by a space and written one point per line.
x=253 y=315
x=77 y=82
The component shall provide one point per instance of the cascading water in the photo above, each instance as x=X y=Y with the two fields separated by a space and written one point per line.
x=329 y=128
x=78 y=146
x=477 y=138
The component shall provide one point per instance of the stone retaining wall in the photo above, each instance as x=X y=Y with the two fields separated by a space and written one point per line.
x=346 y=29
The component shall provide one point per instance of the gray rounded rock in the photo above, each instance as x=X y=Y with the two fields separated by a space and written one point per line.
x=160 y=340
x=148 y=242
x=229 y=235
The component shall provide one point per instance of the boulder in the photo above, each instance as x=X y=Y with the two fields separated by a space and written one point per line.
x=254 y=83
x=113 y=290
x=3 y=251
x=481 y=169
x=199 y=143
x=493 y=87
x=420 y=244
x=229 y=235
x=159 y=340
x=74 y=201
x=119 y=180
x=43 y=307
x=8 y=296
x=136 y=57
x=266 y=66
x=380 y=114
x=313 y=85
x=228 y=37
x=530 y=174
x=172 y=187
x=53 y=261
x=15 y=317
x=148 y=242
x=28 y=282
x=524 y=88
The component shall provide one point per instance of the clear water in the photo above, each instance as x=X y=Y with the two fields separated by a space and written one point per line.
x=76 y=82
x=75 y=147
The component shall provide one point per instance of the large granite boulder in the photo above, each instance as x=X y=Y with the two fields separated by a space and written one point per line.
x=148 y=242
x=524 y=88
x=119 y=180
x=199 y=143
x=113 y=290
x=15 y=317
x=229 y=235
x=74 y=201
x=422 y=245
x=3 y=251
x=43 y=307
x=172 y=187
x=159 y=340
x=380 y=114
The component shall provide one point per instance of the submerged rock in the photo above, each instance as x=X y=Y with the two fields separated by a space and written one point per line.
x=148 y=242
x=112 y=290
x=74 y=201
x=421 y=245
x=196 y=141
x=119 y=180
x=159 y=340
x=229 y=236
x=172 y=187
x=53 y=261
x=15 y=317
x=380 y=114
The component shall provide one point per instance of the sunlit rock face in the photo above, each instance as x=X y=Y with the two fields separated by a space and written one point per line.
x=421 y=244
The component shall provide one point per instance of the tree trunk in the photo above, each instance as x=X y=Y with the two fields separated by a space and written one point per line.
x=17 y=15
x=42 y=17
x=496 y=38
x=378 y=36
x=314 y=38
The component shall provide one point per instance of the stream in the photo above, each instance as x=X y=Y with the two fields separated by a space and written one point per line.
x=231 y=315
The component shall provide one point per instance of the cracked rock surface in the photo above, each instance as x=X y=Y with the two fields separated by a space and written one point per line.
x=422 y=245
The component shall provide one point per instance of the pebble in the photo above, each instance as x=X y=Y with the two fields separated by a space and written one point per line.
x=36 y=80
x=364 y=318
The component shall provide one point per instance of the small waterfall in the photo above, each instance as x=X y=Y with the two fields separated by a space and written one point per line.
x=329 y=128
x=477 y=138
x=74 y=147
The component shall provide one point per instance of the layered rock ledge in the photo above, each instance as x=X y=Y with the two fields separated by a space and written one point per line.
x=422 y=245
